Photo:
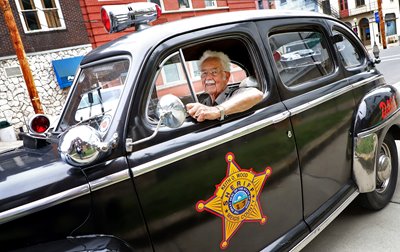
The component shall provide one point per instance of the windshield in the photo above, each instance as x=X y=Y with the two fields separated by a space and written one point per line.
x=95 y=96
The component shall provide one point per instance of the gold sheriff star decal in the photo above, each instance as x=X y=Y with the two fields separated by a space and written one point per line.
x=236 y=199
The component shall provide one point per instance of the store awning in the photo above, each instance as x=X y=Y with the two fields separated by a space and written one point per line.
x=65 y=70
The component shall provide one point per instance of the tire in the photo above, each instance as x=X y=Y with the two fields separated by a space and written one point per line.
x=385 y=183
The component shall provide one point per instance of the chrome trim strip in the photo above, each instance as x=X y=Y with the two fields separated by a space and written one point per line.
x=322 y=99
x=319 y=100
x=44 y=203
x=109 y=180
x=363 y=82
x=176 y=156
x=364 y=162
x=325 y=223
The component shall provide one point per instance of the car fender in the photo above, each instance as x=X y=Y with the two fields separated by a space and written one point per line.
x=376 y=113
x=94 y=242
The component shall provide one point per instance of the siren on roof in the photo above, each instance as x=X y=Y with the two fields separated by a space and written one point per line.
x=117 y=18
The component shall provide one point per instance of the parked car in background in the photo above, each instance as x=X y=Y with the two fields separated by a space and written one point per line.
x=134 y=172
x=302 y=52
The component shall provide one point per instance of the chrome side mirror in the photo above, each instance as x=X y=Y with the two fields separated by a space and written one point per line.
x=171 y=113
x=81 y=145
x=337 y=38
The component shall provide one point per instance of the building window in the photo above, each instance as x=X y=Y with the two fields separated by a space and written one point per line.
x=343 y=5
x=390 y=20
x=184 y=4
x=283 y=2
x=172 y=73
x=159 y=2
x=360 y=2
x=195 y=69
x=210 y=3
x=40 y=15
x=156 y=2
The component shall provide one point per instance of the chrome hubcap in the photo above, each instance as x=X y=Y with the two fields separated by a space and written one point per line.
x=384 y=169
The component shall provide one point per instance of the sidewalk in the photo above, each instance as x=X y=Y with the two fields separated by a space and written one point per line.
x=7 y=146
x=369 y=47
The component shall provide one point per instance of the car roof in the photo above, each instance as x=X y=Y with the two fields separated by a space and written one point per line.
x=144 y=40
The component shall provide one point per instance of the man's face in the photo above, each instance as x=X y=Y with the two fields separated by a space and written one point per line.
x=213 y=77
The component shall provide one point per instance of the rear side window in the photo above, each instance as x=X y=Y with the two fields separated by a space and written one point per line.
x=348 y=53
x=301 y=56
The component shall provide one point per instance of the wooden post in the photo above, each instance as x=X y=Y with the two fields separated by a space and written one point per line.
x=20 y=51
x=382 y=24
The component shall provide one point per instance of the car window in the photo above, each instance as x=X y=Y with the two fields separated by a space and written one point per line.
x=348 y=53
x=300 y=56
x=92 y=103
x=96 y=95
x=178 y=77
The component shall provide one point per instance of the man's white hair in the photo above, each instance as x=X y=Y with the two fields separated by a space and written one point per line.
x=224 y=59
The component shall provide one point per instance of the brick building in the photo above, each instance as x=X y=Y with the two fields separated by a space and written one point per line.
x=37 y=33
x=361 y=16
x=171 y=9
x=51 y=31
x=56 y=31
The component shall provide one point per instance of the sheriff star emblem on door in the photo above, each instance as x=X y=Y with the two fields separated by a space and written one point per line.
x=236 y=199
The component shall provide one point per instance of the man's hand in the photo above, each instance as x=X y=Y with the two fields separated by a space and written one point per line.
x=202 y=112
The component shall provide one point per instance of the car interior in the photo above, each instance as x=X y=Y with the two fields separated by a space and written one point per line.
x=242 y=71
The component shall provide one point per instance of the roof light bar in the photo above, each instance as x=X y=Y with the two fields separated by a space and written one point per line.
x=117 y=18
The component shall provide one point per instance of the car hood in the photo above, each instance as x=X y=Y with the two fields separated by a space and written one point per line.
x=29 y=175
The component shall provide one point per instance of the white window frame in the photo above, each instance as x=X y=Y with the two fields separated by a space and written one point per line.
x=212 y=1
x=161 y=3
x=190 y=5
x=41 y=17
x=191 y=68
x=173 y=83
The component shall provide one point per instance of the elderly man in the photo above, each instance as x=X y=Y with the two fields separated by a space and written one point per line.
x=221 y=100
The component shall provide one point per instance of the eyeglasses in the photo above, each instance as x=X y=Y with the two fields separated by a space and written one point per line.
x=213 y=73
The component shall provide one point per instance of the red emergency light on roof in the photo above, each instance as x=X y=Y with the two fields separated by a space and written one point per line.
x=117 y=18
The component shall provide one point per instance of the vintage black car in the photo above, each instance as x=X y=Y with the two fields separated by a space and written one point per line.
x=126 y=168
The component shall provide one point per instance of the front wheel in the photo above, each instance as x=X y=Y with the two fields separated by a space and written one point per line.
x=386 y=176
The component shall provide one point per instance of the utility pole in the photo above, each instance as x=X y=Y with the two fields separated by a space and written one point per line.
x=382 y=24
x=20 y=51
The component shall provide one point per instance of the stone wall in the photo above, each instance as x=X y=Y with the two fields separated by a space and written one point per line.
x=15 y=105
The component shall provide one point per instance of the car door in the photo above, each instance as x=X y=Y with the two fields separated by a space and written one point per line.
x=100 y=93
x=189 y=179
x=320 y=100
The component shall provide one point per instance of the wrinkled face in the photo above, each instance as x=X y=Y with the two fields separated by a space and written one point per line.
x=213 y=77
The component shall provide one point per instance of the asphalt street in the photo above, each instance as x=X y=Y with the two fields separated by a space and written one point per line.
x=390 y=63
x=358 y=229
